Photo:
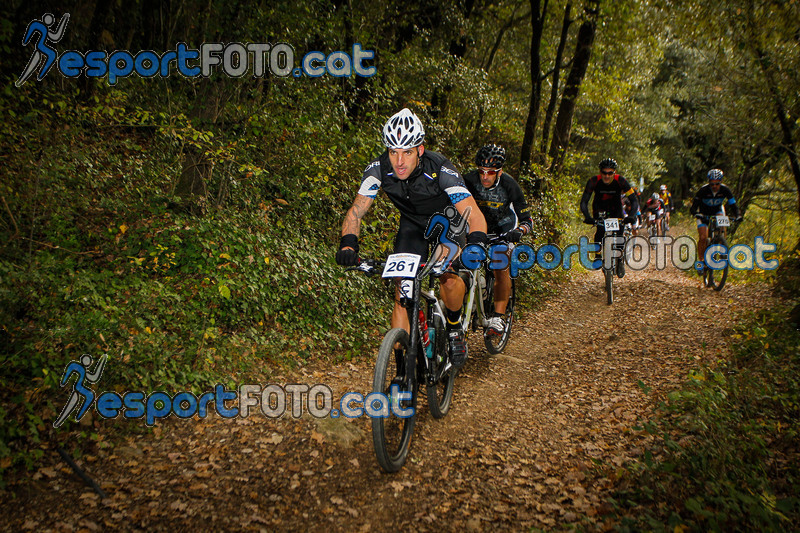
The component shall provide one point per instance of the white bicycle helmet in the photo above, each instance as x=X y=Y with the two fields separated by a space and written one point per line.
x=403 y=130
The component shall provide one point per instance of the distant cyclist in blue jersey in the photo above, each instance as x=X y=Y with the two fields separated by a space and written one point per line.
x=420 y=183
x=711 y=200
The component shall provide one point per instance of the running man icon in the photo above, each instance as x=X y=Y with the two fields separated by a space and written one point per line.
x=43 y=51
x=449 y=234
x=80 y=368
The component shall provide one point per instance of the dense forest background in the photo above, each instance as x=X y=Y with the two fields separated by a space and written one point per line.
x=187 y=227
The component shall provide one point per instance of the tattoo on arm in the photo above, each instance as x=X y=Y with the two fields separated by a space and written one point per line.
x=352 y=220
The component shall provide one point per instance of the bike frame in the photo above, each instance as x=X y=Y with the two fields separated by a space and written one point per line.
x=618 y=233
x=475 y=277
x=713 y=229
x=413 y=305
x=433 y=307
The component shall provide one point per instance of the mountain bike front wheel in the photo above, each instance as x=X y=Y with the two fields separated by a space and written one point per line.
x=440 y=392
x=609 y=275
x=495 y=343
x=391 y=434
x=716 y=278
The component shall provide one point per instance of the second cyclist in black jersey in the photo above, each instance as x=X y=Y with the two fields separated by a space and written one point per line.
x=500 y=198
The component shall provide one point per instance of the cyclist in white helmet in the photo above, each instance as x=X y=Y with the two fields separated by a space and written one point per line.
x=420 y=183
x=654 y=206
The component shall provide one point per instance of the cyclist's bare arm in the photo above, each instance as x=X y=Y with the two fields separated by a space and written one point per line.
x=475 y=220
x=352 y=220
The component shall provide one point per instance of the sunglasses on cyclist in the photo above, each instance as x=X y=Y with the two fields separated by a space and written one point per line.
x=490 y=172
x=609 y=173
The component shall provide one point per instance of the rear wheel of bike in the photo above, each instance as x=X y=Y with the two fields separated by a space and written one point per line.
x=440 y=393
x=496 y=343
x=609 y=274
x=391 y=436
x=716 y=278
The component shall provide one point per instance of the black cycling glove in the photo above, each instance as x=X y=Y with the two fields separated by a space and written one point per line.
x=515 y=235
x=347 y=257
x=589 y=220
x=476 y=237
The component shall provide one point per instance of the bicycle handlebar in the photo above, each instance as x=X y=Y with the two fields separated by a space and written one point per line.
x=370 y=267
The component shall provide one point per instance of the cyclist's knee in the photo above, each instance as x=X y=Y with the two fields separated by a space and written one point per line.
x=451 y=282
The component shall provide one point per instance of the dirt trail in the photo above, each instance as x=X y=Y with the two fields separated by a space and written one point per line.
x=535 y=437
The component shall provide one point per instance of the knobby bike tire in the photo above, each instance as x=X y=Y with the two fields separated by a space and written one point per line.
x=716 y=278
x=609 y=275
x=494 y=343
x=440 y=393
x=391 y=436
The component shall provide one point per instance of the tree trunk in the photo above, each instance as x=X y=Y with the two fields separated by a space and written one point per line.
x=788 y=124
x=551 y=106
x=492 y=53
x=538 y=13
x=440 y=101
x=94 y=41
x=580 y=62
x=507 y=26
x=789 y=146
x=754 y=160
x=191 y=186
x=152 y=30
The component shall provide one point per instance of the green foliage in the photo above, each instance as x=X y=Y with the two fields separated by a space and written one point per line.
x=98 y=251
x=95 y=259
x=726 y=442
